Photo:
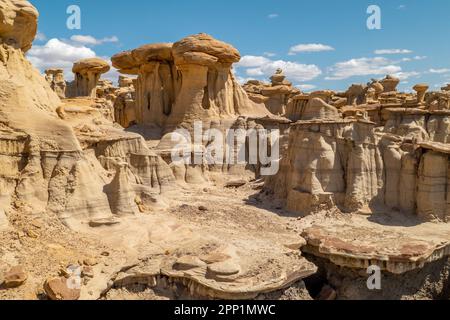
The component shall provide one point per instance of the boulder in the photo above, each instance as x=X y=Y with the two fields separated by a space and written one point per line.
x=15 y=277
x=18 y=23
x=58 y=289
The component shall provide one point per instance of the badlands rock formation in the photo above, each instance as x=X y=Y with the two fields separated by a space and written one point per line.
x=363 y=181
x=275 y=95
x=383 y=156
x=186 y=81
x=83 y=194
x=87 y=74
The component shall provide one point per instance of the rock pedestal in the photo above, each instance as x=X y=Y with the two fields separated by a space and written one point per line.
x=421 y=90
x=87 y=74
x=186 y=81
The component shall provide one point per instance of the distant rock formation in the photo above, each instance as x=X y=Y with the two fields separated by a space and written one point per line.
x=275 y=96
x=55 y=77
x=87 y=74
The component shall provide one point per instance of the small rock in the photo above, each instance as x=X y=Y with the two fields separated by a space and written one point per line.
x=15 y=277
x=103 y=222
x=214 y=257
x=90 y=262
x=57 y=289
x=87 y=272
x=203 y=208
x=105 y=253
x=226 y=268
x=235 y=184
x=32 y=234
x=37 y=224
x=188 y=263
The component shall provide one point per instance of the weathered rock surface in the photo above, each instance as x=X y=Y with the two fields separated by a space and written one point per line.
x=15 y=277
x=18 y=24
x=186 y=81
x=58 y=289
x=55 y=77
x=87 y=74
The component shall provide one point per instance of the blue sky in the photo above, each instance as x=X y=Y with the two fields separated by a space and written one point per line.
x=321 y=44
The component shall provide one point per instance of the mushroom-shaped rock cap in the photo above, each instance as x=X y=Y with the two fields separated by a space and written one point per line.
x=95 y=65
x=187 y=48
x=18 y=23
x=421 y=87
x=130 y=61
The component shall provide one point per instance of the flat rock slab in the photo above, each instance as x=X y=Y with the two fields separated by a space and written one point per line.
x=212 y=262
x=360 y=243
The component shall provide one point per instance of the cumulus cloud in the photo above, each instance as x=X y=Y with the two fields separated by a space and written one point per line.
x=88 y=40
x=306 y=87
x=440 y=71
x=393 y=51
x=58 y=54
x=257 y=66
x=252 y=61
x=310 y=47
x=362 y=67
x=406 y=75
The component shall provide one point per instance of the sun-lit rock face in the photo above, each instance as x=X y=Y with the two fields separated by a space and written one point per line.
x=186 y=81
x=55 y=77
x=18 y=23
x=87 y=75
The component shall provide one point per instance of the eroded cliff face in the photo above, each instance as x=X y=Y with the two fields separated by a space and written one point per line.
x=44 y=167
x=338 y=158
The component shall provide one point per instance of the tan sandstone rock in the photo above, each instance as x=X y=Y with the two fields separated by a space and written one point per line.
x=58 y=289
x=15 y=277
x=87 y=74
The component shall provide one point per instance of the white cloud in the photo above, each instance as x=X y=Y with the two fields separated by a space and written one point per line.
x=257 y=66
x=273 y=16
x=401 y=7
x=393 y=51
x=362 y=67
x=440 y=71
x=92 y=41
x=406 y=75
x=252 y=61
x=58 y=54
x=306 y=87
x=417 y=58
x=255 y=72
x=311 y=47
x=40 y=37
x=270 y=54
